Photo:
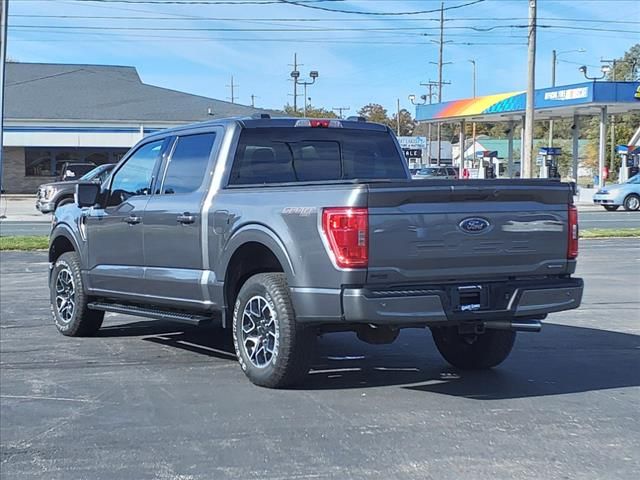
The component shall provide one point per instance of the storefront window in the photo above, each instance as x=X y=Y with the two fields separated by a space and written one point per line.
x=46 y=162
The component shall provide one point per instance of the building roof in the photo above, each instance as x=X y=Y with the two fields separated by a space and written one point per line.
x=44 y=91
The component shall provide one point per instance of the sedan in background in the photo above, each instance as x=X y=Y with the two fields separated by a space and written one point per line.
x=442 y=173
x=616 y=195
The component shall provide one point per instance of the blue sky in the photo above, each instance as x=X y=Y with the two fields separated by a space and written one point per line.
x=361 y=58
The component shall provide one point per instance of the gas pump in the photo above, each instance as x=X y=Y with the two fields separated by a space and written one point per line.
x=487 y=168
x=630 y=156
x=550 y=162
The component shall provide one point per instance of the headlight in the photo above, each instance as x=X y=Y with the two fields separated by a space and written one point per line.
x=48 y=192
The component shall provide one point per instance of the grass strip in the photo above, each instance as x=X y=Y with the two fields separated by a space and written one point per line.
x=610 y=233
x=24 y=242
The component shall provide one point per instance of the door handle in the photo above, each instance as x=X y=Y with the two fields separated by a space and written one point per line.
x=133 y=220
x=186 y=218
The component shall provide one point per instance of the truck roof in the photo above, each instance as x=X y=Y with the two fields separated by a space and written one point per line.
x=251 y=122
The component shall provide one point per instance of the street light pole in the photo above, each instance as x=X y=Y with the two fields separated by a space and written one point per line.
x=554 y=62
x=473 y=125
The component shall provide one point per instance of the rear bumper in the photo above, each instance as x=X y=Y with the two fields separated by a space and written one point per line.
x=436 y=305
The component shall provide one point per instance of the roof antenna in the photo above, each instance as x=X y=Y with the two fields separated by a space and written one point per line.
x=210 y=111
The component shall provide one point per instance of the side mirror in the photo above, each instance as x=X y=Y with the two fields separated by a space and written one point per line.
x=87 y=194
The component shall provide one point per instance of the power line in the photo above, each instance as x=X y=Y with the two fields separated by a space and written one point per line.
x=299 y=3
x=314 y=20
x=326 y=29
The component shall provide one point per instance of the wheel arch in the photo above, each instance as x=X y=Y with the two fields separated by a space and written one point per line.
x=253 y=249
x=62 y=240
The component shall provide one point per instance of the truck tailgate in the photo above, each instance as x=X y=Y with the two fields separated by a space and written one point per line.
x=423 y=231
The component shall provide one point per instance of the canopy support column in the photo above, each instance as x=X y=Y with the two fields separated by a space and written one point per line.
x=575 y=136
x=463 y=140
x=510 y=171
x=522 y=147
x=602 y=144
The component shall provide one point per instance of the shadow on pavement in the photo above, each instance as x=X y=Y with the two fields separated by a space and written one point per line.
x=560 y=360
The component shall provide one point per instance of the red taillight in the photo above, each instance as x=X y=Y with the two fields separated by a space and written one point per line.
x=319 y=123
x=347 y=231
x=572 y=246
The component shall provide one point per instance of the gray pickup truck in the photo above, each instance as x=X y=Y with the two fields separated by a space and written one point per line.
x=283 y=229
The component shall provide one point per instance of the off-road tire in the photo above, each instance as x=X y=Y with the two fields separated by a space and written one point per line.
x=83 y=322
x=473 y=352
x=294 y=343
x=611 y=208
x=632 y=203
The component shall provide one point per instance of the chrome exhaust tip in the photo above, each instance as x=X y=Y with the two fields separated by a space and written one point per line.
x=515 y=325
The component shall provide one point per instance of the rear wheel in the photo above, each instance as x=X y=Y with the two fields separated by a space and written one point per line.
x=611 y=208
x=473 y=352
x=69 y=301
x=632 y=203
x=272 y=349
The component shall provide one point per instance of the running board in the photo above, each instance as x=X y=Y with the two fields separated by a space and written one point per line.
x=158 y=314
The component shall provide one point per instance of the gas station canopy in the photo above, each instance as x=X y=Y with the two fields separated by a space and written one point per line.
x=550 y=104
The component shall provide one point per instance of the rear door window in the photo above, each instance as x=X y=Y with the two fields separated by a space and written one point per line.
x=188 y=164
x=290 y=154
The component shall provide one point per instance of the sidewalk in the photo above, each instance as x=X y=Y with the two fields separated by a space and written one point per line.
x=21 y=208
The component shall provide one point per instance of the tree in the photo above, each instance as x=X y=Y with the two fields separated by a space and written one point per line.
x=626 y=68
x=374 y=112
x=312 y=112
x=407 y=123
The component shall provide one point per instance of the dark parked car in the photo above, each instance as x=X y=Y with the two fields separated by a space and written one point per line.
x=53 y=195
x=283 y=229
x=441 y=173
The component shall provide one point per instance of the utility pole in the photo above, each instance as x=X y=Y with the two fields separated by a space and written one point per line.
x=253 y=100
x=440 y=77
x=4 y=20
x=340 y=110
x=232 y=86
x=398 y=117
x=531 y=85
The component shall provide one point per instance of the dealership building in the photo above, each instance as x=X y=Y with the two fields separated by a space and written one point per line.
x=56 y=113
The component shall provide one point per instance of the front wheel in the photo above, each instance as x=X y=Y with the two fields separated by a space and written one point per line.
x=473 y=352
x=611 y=208
x=632 y=203
x=69 y=302
x=272 y=349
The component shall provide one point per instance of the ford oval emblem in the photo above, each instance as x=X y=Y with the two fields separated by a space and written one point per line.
x=474 y=225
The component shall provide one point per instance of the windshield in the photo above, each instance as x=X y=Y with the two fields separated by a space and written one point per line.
x=96 y=172
x=432 y=172
x=635 y=179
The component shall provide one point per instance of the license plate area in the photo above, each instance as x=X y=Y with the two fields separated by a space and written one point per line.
x=470 y=298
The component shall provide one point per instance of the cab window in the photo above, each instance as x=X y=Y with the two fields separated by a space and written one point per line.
x=135 y=176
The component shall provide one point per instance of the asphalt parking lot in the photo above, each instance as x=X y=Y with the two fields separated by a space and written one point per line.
x=151 y=400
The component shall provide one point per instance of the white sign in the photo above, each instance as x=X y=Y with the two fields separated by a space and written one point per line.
x=413 y=142
x=569 y=94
